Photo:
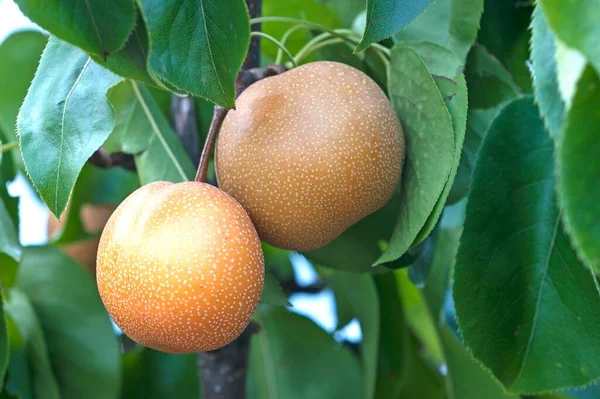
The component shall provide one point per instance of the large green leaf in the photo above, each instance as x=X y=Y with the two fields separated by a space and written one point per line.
x=546 y=90
x=360 y=295
x=314 y=366
x=576 y=24
x=579 y=170
x=450 y=23
x=149 y=374
x=522 y=297
x=97 y=26
x=386 y=17
x=30 y=369
x=198 y=46
x=429 y=141
x=83 y=349
x=20 y=54
x=64 y=119
x=142 y=129
x=10 y=249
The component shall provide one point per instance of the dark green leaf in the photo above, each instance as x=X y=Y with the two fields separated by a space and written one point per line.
x=148 y=374
x=10 y=249
x=429 y=141
x=522 y=297
x=4 y=344
x=579 y=170
x=64 y=119
x=97 y=26
x=545 y=81
x=283 y=366
x=386 y=17
x=360 y=295
x=272 y=293
x=83 y=349
x=576 y=25
x=130 y=61
x=450 y=23
x=20 y=54
x=198 y=46
x=29 y=364
x=142 y=129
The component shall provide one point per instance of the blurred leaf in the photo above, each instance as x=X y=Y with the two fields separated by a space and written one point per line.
x=83 y=348
x=197 y=46
x=4 y=344
x=359 y=294
x=272 y=293
x=454 y=94
x=348 y=10
x=579 y=170
x=546 y=90
x=277 y=261
x=452 y=24
x=468 y=379
x=97 y=26
x=131 y=60
x=576 y=24
x=505 y=32
x=419 y=269
x=149 y=374
x=10 y=250
x=142 y=129
x=386 y=17
x=20 y=54
x=522 y=298
x=30 y=368
x=64 y=119
x=98 y=187
x=429 y=146
x=570 y=65
x=283 y=366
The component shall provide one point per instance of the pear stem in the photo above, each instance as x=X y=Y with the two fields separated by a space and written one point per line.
x=215 y=125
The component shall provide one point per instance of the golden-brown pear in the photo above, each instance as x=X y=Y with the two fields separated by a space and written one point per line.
x=310 y=152
x=180 y=267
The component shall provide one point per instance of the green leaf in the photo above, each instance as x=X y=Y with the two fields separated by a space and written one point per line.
x=439 y=60
x=198 y=46
x=272 y=293
x=142 y=129
x=131 y=60
x=20 y=54
x=4 y=344
x=64 y=119
x=83 y=349
x=575 y=24
x=517 y=279
x=455 y=97
x=468 y=379
x=277 y=262
x=579 y=172
x=10 y=249
x=149 y=374
x=348 y=10
x=386 y=17
x=452 y=24
x=429 y=140
x=360 y=295
x=29 y=364
x=547 y=93
x=283 y=366
x=97 y=26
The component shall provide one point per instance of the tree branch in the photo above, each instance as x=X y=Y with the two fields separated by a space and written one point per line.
x=103 y=160
x=183 y=120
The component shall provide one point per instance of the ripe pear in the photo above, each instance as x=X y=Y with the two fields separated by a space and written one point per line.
x=310 y=152
x=180 y=267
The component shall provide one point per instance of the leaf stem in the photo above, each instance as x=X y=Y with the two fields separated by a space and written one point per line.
x=302 y=54
x=279 y=44
x=9 y=146
x=215 y=125
x=284 y=39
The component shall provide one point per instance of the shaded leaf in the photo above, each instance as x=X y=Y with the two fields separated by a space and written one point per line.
x=429 y=141
x=10 y=249
x=64 y=119
x=272 y=293
x=282 y=366
x=198 y=46
x=386 y=17
x=579 y=171
x=546 y=90
x=83 y=349
x=97 y=26
x=522 y=297
x=452 y=24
